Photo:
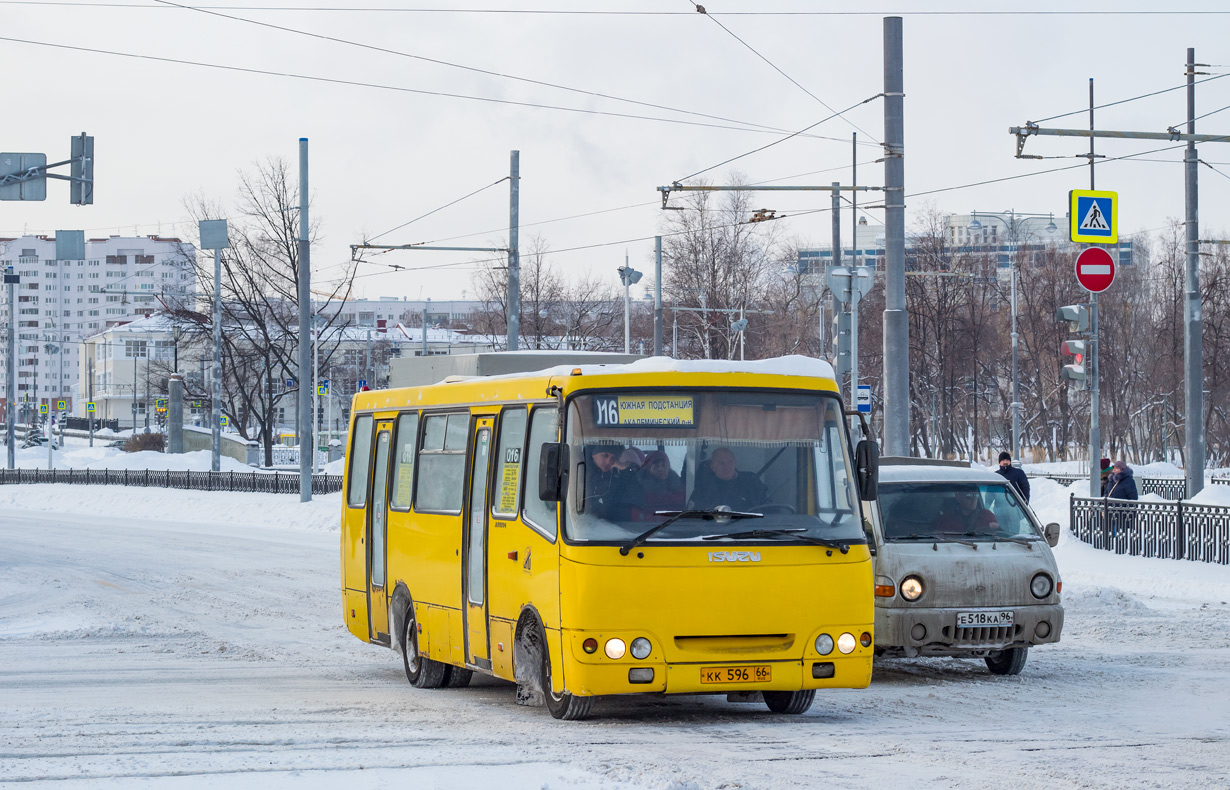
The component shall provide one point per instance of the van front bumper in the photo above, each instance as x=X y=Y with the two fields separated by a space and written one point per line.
x=912 y=631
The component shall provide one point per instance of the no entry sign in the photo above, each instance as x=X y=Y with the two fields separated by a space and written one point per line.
x=1095 y=270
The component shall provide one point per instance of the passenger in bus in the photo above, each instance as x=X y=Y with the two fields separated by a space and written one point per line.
x=607 y=480
x=661 y=487
x=968 y=515
x=719 y=482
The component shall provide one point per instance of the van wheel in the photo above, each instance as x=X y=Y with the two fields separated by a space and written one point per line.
x=793 y=702
x=421 y=672
x=1008 y=662
x=456 y=677
x=563 y=706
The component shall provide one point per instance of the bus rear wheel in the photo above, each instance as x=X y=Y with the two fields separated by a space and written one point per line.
x=793 y=702
x=422 y=672
x=1008 y=662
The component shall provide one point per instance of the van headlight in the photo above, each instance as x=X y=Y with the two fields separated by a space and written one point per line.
x=614 y=648
x=1041 y=585
x=641 y=648
x=824 y=644
x=911 y=588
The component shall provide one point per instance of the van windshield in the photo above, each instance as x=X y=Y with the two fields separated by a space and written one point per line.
x=637 y=456
x=953 y=510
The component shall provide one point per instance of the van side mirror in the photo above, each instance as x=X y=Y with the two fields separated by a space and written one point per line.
x=1051 y=533
x=867 y=469
x=551 y=466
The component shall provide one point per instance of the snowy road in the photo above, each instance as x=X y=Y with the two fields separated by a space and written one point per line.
x=142 y=653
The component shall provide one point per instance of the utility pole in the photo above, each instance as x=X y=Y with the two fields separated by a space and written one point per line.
x=1095 y=398
x=1193 y=349
x=307 y=443
x=11 y=278
x=1193 y=342
x=657 y=297
x=514 y=255
x=896 y=319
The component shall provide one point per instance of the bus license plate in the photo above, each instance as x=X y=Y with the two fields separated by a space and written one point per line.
x=754 y=674
x=976 y=619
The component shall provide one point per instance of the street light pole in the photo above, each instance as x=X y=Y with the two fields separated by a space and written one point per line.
x=628 y=276
x=1014 y=225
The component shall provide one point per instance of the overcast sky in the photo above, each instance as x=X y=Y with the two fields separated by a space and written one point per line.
x=387 y=152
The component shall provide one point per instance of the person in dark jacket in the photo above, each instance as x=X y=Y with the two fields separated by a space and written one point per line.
x=1120 y=484
x=1106 y=468
x=1013 y=475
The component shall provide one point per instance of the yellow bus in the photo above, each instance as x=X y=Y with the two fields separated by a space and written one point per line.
x=661 y=526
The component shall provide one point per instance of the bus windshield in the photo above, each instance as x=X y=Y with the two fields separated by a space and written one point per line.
x=637 y=457
x=953 y=511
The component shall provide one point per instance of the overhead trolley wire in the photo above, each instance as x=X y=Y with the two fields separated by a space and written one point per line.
x=462 y=66
x=782 y=140
x=1134 y=98
x=701 y=9
x=441 y=208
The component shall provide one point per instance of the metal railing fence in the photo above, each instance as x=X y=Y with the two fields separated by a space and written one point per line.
x=265 y=482
x=1170 y=530
x=1165 y=487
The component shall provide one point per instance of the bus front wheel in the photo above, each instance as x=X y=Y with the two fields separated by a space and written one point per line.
x=421 y=672
x=789 y=701
x=563 y=706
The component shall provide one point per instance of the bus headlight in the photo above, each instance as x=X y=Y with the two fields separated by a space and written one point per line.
x=615 y=648
x=824 y=644
x=641 y=648
x=1040 y=585
x=911 y=588
x=845 y=643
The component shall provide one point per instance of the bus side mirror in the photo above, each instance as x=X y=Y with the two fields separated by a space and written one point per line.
x=1051 y=533
x=552 y=463
x=867 y=469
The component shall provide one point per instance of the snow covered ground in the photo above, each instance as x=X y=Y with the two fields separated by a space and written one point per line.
x=174 y=639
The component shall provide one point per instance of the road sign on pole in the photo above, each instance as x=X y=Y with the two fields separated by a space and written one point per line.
x=1093 y=216
x=61 y=405
x=864 y=398
x=91 y=408
x=1095 y=270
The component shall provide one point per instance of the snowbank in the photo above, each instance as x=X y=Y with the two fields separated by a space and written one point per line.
x=322 y=514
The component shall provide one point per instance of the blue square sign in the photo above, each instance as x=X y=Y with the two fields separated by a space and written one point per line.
x=1093 y=217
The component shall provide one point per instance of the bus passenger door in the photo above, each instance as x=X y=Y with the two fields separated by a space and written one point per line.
x=377 y=523
x=475 y=549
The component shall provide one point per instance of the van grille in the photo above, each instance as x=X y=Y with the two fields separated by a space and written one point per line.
x=985 y=636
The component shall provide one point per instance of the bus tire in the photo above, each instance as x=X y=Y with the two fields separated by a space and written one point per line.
x=456 y=677
x=422 y=672
x=563 y=706
x=1008 y=662
x=793 y=702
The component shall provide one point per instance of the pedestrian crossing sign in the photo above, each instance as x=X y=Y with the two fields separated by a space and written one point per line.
x=42 y=408
x=1093 y=216
x=91 y=407
x=61 y=405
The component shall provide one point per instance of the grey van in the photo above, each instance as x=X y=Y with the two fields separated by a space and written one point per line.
x=962 y=566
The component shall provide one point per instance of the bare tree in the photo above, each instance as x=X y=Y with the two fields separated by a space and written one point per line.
x=260 y=302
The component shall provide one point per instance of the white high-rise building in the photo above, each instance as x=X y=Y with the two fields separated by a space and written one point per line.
x=57 y=303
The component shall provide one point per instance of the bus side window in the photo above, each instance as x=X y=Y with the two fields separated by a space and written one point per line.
x=543 y=427
x=403 y=461
x=441 y=461
x=511 y=466
x=360 y=461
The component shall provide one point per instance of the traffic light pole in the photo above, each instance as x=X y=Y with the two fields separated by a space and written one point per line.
x=1095 y=428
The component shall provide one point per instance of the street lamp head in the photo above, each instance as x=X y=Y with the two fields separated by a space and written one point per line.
x=975 y=224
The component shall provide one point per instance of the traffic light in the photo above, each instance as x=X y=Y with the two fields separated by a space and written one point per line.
x=1075 y=371
x=1077 y=316
x=841 y=344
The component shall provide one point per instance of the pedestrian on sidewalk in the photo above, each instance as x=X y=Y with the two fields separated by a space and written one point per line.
x=1105 y=466
x=1120 y=484
x=1013 y=475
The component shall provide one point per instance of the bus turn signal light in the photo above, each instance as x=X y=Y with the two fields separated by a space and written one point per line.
x=885 y=590
x=590 y=645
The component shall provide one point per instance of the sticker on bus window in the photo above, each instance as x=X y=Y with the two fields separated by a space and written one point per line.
x=510 y=480
x=405 y=481
x=664 y=410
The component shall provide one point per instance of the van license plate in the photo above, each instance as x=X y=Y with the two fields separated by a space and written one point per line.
x=976 y=619
x=756 y=674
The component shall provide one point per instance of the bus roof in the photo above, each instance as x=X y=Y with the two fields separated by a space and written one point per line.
x=648 y=372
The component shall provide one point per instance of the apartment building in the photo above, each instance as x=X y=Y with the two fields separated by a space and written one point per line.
x=57 y=303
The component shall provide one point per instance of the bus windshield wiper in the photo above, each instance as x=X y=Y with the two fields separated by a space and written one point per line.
x=842 y=546
x=709 y=515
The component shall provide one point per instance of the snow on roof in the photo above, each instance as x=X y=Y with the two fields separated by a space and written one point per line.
x=893 y=473
x=793 y=365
